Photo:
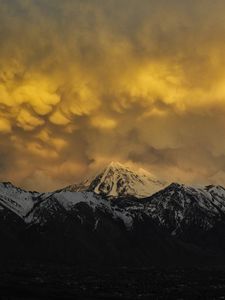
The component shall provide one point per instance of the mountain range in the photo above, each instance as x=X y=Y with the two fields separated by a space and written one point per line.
x=120 y=216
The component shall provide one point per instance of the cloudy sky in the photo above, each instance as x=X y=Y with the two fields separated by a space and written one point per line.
x=85 y=82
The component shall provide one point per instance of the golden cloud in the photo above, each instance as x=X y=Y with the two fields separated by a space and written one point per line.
x=86 y=82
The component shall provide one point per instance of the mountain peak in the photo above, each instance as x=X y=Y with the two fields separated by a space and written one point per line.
x=119 y=180
x=115 y=164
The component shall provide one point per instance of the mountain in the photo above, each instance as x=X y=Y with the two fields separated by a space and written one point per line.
x=81 y=224
x=179 y=207
x=192 y=215
x=17 y=200
x=118 y=180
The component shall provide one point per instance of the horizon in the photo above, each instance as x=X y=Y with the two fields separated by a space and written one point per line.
x=137 y=170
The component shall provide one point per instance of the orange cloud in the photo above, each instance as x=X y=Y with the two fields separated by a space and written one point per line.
x=85 y=82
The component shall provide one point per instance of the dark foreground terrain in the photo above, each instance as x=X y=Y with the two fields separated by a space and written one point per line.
x=39 y=281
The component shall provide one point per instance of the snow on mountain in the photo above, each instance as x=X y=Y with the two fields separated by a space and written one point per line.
x=79 y=222
x=178 y=207
x=17 y=200
x=62 y=202
x=117 y=180
x=175 y=207
x=218 y=196
x=79 y=187
x=178 y=216
x=68 y=200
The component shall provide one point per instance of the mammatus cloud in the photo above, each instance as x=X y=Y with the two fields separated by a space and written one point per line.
x=86 y=82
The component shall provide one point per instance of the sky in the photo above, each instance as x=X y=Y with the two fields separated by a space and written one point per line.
x=87 y=82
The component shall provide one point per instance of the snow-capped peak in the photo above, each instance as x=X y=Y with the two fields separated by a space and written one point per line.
x=119 y=180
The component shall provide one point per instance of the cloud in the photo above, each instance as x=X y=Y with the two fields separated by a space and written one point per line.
x=86 y=82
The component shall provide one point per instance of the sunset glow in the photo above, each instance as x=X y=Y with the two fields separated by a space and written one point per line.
x=83 y=83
